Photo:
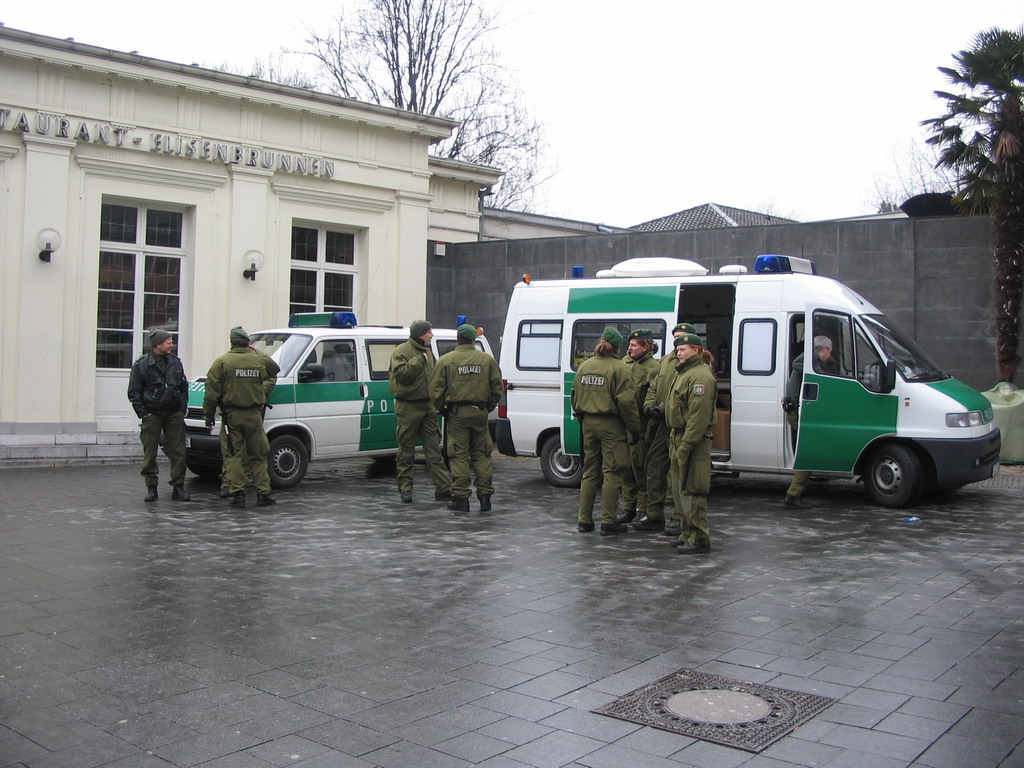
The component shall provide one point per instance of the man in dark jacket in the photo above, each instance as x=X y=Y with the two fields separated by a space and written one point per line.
x=158 y=391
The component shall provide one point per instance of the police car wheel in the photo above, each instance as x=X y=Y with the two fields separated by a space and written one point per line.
x=894 y=476
x=560 y=469
x=287 y=462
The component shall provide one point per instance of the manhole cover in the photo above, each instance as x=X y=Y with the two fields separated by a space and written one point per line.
x=718 y=706
x=730 y=712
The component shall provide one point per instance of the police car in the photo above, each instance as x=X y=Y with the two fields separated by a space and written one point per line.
x=331 y=400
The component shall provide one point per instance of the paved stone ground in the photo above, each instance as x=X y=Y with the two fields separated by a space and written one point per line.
x=342 y=629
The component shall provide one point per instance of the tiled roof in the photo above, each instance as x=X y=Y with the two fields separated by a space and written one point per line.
x=710 y=216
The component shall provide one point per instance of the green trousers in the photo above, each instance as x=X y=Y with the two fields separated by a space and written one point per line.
x=469 y=450
x=605 y=460
x=658 y=468
x=693 y=468
x=634 y=481
x=801 y=477
x=172 y=426
x=247 y=451
x=418 y=419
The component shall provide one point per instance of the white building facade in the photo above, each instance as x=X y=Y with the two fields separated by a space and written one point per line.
x=137 y=193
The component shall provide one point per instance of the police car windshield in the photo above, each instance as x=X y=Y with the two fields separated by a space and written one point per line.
x=285 y=348
x=911 y=361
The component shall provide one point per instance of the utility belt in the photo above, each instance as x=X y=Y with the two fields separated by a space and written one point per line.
x=680 y=430
x=454 y=408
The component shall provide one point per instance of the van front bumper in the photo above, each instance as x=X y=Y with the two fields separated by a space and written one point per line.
x=959 y=462
x=202 y=448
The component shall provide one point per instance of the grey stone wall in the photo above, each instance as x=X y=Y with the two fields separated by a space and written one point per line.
x=933 y=277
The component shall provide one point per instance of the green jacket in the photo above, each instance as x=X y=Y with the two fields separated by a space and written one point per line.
x=690 y=405
x=466 y=375
x=660 y=385
x=605 y=387
x=412 y=365
x=242 y=378
x=643 y=372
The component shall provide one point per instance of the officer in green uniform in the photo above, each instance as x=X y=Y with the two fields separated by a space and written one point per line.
x=823 y=363
x=412 y=365
x=658 y=464
x=690 y=414
x=643 y=368
x=239 y=383
x=158 y=391
x=465 y=387
x=603 y=398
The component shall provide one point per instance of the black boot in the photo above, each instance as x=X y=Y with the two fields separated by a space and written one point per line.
x=626 y=516
x=238 y=499
x=485 y=502
x=793 y=502
x=611 y=530
x=646 y=523
x=225 y=492
x=443 y=495
x=265 y=500
x=406 y=497
x=178 y=494
x=151 y=493
x=459 y=505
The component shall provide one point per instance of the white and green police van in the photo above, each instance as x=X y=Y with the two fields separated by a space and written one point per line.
x=890 y=417
x=331 y=400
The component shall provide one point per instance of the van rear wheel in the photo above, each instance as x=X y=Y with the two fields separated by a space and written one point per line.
x=287 y=462
x=894 y=477
x=560 y=469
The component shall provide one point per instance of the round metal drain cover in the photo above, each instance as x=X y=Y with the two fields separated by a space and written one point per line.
x=718 y=706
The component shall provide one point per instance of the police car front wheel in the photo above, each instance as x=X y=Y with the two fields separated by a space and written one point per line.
x=288 y=461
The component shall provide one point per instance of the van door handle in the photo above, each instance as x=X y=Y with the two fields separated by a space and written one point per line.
x=810 y=391
x=363 y=391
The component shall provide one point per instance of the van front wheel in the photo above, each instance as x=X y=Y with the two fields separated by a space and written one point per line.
x=560 y=469
x=894 y=476
x=287 y=462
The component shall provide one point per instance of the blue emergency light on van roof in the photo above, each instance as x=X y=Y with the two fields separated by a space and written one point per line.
x=322 y=320
x=460 y=320
x=771 y=262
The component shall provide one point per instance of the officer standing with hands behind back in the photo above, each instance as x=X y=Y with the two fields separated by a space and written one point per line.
x=239 y=383
x=465 y=387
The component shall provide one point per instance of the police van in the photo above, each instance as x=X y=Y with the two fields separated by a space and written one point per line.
x=886 y=416
x=331 y=400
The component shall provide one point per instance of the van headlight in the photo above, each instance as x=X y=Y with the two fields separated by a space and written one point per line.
x=966 y=419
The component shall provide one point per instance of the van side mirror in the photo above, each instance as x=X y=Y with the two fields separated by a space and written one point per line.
x=311 y=372
x=889 y=377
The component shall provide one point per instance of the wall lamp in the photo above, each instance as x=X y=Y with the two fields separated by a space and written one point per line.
x=47 y=241
x=255 y=261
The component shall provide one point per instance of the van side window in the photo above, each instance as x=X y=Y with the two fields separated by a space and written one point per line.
x=757 y=347
x=870 y=369
x=838 y=329
x=540 y=345
x=378 y=355
x=338 y=359
x=586 y=334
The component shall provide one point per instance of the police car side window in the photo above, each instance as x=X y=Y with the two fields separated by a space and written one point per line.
x=378 y=353
x=338 y=357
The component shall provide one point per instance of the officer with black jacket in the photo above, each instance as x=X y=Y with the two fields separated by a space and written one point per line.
x=158 y=391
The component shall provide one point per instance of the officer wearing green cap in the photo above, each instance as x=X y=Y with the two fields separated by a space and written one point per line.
x=239 y=383
x=158 y=391
x=603 y=398
x=690 y=415
x=465 y=387
x=639 y=358
x=412 y=365
x=658 y=464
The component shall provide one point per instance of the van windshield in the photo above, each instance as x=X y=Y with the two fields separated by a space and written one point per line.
x=911 y=361
x=285 y=348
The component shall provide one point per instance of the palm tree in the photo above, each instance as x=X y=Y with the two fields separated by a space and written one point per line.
x=981 y=139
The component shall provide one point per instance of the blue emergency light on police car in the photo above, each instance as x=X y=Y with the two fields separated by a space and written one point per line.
x=774 y=263
x=460 y=320
x=322 y=320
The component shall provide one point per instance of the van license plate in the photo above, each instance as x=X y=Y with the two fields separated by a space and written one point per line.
x=188 y=442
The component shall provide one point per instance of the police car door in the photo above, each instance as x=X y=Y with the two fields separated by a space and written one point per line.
x=331 y=405
x=839 y=413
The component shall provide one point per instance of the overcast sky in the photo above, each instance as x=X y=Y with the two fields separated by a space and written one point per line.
x=650 y=106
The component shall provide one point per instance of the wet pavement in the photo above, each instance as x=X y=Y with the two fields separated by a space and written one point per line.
x=342 y=629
